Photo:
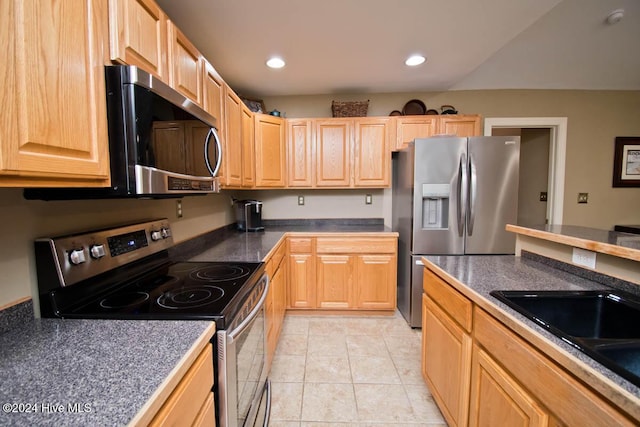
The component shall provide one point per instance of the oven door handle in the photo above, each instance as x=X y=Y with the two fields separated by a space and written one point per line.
x=247 y=321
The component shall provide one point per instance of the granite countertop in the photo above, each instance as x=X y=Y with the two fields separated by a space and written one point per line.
x=476 y=276
x=253 y=246
x=616 y=243
x=104 y=370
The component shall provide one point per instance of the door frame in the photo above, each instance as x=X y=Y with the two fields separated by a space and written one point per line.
x=557 y=154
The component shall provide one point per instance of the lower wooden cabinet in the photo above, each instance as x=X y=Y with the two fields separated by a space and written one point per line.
x=446 y=362
x=276 y=302
x=481 y=373
x=498 y=400
x=334 y=281
x=191 y=402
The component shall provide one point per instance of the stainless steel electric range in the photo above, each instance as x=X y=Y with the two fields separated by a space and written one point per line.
x=126 y=272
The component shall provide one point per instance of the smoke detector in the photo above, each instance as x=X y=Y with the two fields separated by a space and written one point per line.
x=615 y=16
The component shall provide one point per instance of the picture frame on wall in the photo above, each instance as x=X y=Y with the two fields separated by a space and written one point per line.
x=626 y=162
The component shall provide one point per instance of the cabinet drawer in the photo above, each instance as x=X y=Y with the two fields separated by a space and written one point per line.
x=453 y=302
x=300 y=245
x=187 y=399
x=207 y=415
x=356 y=245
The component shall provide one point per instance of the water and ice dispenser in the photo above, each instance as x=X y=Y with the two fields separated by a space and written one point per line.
x=435 y=205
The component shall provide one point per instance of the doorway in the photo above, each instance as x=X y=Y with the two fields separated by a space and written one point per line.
x=557 y=127
x=533 y=183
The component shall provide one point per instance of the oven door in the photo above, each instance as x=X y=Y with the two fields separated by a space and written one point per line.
x=242 y=374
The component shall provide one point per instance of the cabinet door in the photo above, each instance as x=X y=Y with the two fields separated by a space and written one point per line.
x=333 y=152
x=299 y=153
x=302 y=281
x=462 y=125
x=335 y=281
x=410 y=128
x=248 y=148
x=376 y=282
x=446 y=362
x=232 y=153
x=185 y=65
x=213 y=96
x=270 y=151
x=496 y=399
x=372 y=159
x=53 y=96
x=138 y=35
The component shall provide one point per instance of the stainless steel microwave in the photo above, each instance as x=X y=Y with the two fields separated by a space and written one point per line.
x=161 y=144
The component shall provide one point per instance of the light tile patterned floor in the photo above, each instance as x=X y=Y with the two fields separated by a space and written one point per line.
x=349 y=371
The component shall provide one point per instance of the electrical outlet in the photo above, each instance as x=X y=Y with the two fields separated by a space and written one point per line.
x=179 y=208
x=584 y=258
x=583 y=197
x=368 y=199
x=300 y=200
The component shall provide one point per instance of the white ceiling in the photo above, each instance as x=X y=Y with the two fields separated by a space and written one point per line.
x=359 y=46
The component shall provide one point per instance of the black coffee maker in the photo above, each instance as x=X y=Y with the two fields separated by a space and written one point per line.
x=248 y=215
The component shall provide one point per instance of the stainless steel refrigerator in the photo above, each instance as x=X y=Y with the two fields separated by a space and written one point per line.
x=451 y=196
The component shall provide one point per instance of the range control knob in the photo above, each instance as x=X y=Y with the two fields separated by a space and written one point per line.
x=77 y=256
x=97 y=251
x=156 y=235
x=165 y=232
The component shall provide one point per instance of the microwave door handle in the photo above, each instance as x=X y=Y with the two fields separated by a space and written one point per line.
x=207 y=160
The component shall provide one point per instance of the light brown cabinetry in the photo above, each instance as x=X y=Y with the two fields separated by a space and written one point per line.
x=343 y=273
x=498 y=399
x=232 y=152
x=372 y=153
x=247 y=152
x=276 y=302
x=270 y=156
x=481 y=373
x=333 y=152
x=446 y=348
x=300 y=158
x=138 y=35
x=302 y=272
x=185 y=65
x=411 y=127
x=191 y=402
x=213 y=95
x=53 y=119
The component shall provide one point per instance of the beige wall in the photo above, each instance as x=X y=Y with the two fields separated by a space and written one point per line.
x=595 y=118
x=534 y=174
x=22 y=221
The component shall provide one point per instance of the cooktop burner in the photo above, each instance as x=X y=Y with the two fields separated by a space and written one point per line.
x=182 y=290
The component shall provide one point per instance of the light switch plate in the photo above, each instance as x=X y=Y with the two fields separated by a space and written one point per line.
x=583 y=197
x=584 y=258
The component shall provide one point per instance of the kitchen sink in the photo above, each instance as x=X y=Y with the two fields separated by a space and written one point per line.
x=604 y=325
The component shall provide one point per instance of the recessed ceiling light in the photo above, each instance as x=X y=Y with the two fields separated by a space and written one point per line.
x=414 y=60
x=275 y=62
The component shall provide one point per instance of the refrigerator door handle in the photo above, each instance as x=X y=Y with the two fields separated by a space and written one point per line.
x=473 y=194
x=462 y=193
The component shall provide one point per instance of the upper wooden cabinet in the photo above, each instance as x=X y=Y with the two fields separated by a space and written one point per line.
x=247 y=151
x=185 y=65
x=232 y=152
x=333 y=152
x=54 y=130
x=459 y=125
x=138 y=35
x=372 y=153
x=300 y=153
x=213 y=94
x=270 y=151
x=411 y=127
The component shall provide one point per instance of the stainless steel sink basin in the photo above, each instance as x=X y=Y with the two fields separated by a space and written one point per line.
x=604 y=325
